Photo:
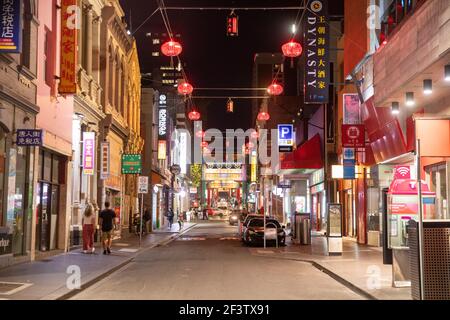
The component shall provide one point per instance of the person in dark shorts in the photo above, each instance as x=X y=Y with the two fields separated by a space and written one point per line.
x=107 y=221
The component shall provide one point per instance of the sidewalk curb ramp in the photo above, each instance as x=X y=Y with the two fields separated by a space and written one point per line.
x=332 y=275
x=108 y=272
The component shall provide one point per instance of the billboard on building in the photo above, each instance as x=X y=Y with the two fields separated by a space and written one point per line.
x=10 y=26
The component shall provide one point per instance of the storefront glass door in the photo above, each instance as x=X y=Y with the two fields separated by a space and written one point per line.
x=19 y=203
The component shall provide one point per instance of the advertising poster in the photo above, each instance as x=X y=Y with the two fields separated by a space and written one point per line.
x=352 y=109
x=10 y=26
x=334 y=220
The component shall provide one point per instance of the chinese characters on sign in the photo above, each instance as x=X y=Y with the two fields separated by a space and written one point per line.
x=353 y=136
x=105 y=156
x=69 y=44
x=29 y=138
x=88 y=153
x=317 y=71
x=10 y=26
x=131 y=164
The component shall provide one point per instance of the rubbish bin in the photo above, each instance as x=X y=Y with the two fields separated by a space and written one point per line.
x=305 y=231
x=436 y=260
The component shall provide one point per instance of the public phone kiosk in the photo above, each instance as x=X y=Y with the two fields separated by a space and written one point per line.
x=403 y=206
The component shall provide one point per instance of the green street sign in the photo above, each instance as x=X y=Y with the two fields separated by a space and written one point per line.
x=131 y=164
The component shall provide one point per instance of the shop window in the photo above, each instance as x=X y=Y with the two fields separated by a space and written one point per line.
x=47 y=174
x=438 y=183
x=55 y=170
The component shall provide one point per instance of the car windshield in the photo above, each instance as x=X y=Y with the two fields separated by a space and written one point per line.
x=258 y=223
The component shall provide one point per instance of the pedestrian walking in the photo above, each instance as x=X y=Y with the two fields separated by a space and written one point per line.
x=107 y=221
x=181 y=220
x=88 y=222
x=147 y=218
x=170 y=216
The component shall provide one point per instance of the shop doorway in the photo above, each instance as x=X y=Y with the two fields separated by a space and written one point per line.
x=48 y=204
x=350 y=214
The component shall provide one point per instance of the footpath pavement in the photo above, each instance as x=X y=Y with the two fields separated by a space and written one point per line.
x=54 y=278
x=359 y=268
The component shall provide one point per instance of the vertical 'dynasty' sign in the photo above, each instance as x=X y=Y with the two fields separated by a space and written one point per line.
x=317 y=70
x=10 y=26
x=69 y=23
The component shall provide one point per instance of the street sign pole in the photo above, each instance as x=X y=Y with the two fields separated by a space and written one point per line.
x=141 y=216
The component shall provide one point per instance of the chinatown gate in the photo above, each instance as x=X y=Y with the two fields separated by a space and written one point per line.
x=223 y=181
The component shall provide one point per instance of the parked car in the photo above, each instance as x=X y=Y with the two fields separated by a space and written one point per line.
x=254 y=232
x=235 y=216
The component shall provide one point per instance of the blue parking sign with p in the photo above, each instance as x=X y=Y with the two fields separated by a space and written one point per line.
x=286 y=137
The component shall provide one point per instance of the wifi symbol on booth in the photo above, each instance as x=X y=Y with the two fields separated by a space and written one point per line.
x=403 y=171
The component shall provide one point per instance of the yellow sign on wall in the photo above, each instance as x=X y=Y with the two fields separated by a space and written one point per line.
x=162 y=150
x=254 y=164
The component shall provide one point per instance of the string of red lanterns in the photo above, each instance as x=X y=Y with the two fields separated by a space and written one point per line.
x=194 y=115
x=263 y=116
x=292 y=49
x=171 y=48
x=275 y=89
x=185 y=88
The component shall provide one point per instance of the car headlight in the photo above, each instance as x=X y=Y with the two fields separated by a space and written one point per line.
x=234 y=218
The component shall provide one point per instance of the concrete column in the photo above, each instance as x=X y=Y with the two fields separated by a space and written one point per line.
x=88 y=41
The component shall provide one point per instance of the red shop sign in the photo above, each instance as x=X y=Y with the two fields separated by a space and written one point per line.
x=353 y=136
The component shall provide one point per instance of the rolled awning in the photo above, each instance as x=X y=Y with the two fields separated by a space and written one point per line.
x=306 y=157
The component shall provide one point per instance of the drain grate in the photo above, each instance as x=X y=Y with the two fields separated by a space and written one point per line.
x=9 y=288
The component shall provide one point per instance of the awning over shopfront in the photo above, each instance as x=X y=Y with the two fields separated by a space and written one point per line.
x=158 y=179
x=307 y=157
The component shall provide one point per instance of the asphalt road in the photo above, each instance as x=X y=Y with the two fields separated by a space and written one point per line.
x=210 y=263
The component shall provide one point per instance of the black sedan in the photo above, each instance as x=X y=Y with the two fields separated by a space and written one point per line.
x=254 y=232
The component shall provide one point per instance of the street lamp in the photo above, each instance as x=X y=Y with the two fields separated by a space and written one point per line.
x=427 y=86
x=395 y=108
x=410 y=99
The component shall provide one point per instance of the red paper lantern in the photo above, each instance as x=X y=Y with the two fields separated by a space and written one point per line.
x=292 y=49
x=171 y=48
x=185 y=88
x=275 y=89
x=263 y=116
x=194 y=115
x=200 y=134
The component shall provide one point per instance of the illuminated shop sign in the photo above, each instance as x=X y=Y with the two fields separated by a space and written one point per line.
x=317 y=71
x=10 y=26
x=162 y=117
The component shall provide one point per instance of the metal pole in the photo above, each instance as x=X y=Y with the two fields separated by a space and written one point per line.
x=141 y=216
x=419 y=190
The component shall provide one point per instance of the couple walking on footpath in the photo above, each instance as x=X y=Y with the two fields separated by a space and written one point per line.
x=107 y=222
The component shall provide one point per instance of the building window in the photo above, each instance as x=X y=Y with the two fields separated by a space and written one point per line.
x=155 y=54
x=155 y=41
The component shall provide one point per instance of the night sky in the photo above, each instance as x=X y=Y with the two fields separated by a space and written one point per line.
x=212 y=59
